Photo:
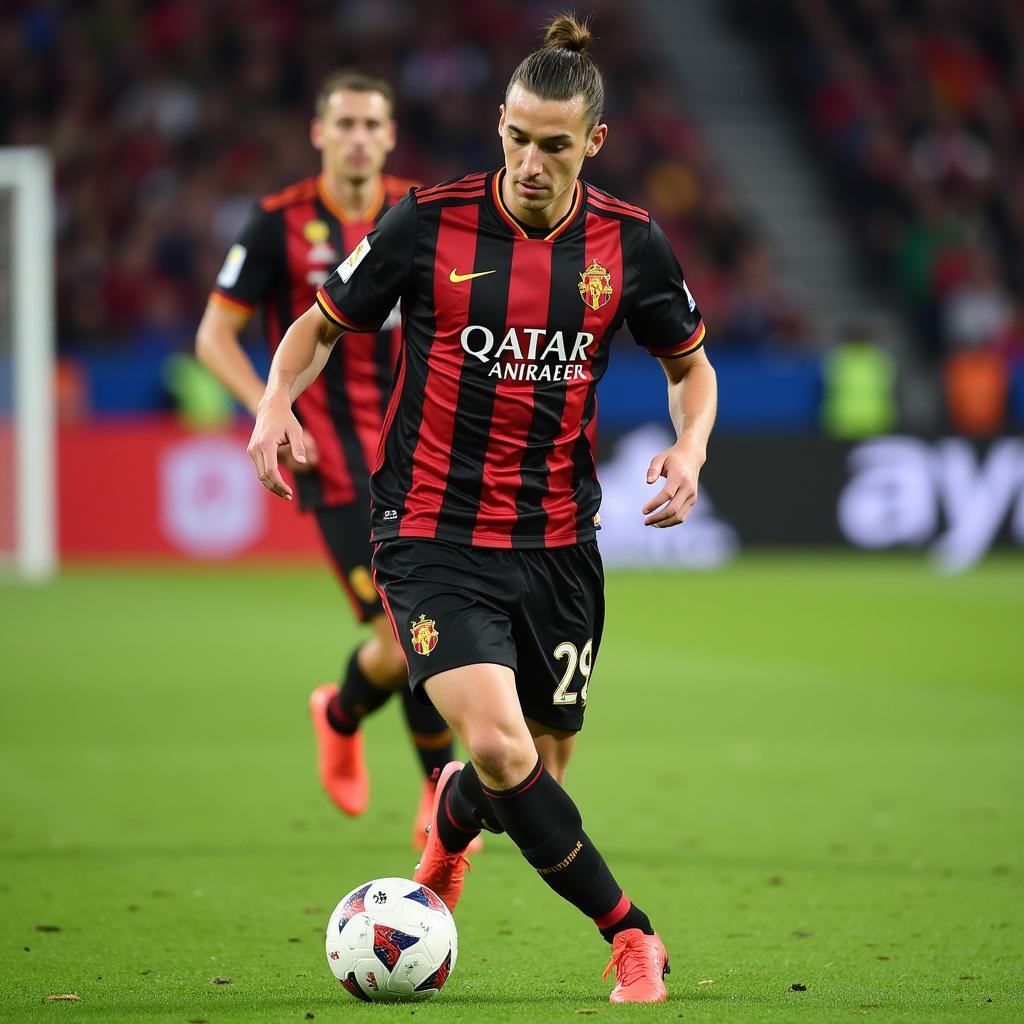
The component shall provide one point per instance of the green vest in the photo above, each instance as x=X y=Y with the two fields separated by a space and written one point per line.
x=859 y=396
x=200 y=400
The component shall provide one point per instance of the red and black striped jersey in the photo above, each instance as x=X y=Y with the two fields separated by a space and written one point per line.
x=285 y=252
x=488 y=438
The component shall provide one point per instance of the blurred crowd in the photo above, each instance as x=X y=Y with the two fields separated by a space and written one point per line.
x=919 y=106
x=167 y=119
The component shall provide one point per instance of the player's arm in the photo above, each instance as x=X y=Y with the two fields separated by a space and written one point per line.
x=253 y=268
x=302 y=354
x=253 y=263
x=357 y=297
x=220 y=351
x=692 y=402
x=665 y=320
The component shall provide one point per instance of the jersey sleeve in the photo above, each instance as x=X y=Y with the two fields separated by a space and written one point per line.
x=664 y=318
x=365 y=287
x=251 y=263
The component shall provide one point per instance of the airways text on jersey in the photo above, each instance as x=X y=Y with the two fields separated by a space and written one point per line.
x=488 y=436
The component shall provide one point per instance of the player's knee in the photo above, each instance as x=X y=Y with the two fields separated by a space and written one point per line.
x=502 y=757
x=393 y=666
x=384 y=664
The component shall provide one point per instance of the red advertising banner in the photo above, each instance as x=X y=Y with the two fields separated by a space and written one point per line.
x=149 y=487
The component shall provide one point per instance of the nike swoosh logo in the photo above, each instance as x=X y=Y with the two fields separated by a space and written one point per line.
x=455 y=277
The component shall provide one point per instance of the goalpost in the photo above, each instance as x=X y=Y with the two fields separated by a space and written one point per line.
x=27 y=434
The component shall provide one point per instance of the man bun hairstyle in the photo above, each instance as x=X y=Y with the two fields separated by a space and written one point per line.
x=564 y=32
x=562 y=69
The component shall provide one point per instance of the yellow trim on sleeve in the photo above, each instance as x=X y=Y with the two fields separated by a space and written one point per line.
x=690 y=345
x=331 y=312
x=235 y=305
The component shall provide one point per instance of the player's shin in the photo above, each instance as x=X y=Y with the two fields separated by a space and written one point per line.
x=466 y=811
x=545 y=824
x=356 y=698
x=430 y=734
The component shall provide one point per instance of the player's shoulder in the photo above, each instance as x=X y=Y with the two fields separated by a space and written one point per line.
x=298 y=192
x=603 y=204
x=470 y=188
x=396 y=188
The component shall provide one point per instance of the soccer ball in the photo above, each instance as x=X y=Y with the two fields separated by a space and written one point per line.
x=392 y=939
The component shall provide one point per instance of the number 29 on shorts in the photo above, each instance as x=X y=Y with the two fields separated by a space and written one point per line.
x=574 y=659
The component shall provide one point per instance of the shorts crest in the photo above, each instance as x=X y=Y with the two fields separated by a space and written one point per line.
x=424 y=635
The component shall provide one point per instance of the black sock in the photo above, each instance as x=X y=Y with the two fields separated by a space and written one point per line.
x=465 y=810
x=623 y=916
x=356 y=698
x=546 y=826
x=430 y=734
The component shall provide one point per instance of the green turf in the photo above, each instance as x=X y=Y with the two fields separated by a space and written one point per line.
x=808 y=770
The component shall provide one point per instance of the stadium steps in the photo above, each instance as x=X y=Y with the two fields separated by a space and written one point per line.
x=760 y=149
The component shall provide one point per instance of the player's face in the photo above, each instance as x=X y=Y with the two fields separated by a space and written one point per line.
x=355 y=134
x=545 y=143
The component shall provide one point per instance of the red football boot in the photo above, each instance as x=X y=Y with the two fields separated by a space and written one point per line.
x=342 y=765
x=424 y=812
x=640 y=963
x=440 y=869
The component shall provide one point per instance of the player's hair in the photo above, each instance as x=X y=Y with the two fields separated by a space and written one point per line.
x=350 y=80
x=561 y=69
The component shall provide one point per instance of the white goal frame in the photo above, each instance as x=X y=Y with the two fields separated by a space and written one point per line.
x=28 y=172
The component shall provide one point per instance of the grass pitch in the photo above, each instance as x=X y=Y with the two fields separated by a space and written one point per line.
x=808 y=770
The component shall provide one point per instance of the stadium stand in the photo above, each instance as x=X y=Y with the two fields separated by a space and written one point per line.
x=167 y=119
x=917 y=107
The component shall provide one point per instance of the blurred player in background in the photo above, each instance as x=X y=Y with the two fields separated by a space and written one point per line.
x=485 y=504
x=291 y=243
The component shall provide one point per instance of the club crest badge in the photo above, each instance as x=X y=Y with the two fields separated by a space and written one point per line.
x=595 y=285
x=316 y=231
x=424 y=635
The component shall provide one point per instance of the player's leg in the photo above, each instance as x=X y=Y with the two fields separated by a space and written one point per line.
x=446 y=611
x=539 y=811
x=482 y=705
x=468 y=810
x=480 y=702
x=555 y=747
x=558 y=635
x=432 y=739
x=369 y=676
x=458 y=604
x=373 y=672
x=337 y=709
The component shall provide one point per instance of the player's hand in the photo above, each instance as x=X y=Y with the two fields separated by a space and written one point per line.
x=276 y=425
x=285 y=457
x=680 y=465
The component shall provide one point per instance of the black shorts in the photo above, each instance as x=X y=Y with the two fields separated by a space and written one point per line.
x=346 y=533
x=540 y=611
